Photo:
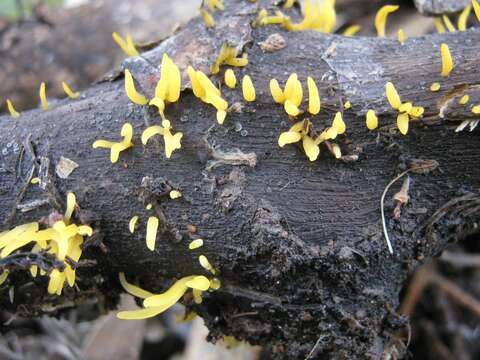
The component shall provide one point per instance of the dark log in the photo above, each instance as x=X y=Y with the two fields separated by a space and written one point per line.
x=299 y=245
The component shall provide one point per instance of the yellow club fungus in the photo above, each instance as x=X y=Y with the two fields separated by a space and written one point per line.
x=71 y=204
x=149 y=206
x=172 y=141
x=168 y=87
x=199 y=283
x=152 y=227
x=175 y=194
x=215 y=4
x=447 y=61
x=117 y=147
x=248 y=89
x=35 y=180
x=351 y=30
x=71 y=94
x=371 y=120
x=312 y=150
x=381 y=18
x=406 y=110
x=133 y=289
x=337 y=152
x=11 y=109
x=347 y=105
x=3 y=276
x=448 y=24
x=132 y=223
x=464 y=99
x=276 y=91
x=313 y=97
x=401 y=36
x=228 y=56
x=206 y=264
x=127 y=45
x=207 y=18
x=288 y=4
x=435 y=87
x=338 y=124
x=230 y=79
x=392 y=96
x=439 y=25
x=317 y=16
x=402 y=123
x=43 y=96
x=195 y=244
x=291 y=96
x=476 y=109
x=131 y=91
x=463 y=18
x=476 y=9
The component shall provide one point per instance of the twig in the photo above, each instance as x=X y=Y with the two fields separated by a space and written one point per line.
x=460 y=259
x=457 y=293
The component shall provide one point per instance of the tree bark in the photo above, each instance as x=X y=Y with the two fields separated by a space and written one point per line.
x=299 y=246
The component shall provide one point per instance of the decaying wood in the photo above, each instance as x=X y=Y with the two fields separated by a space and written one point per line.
x=440 y=7
x=299 y=245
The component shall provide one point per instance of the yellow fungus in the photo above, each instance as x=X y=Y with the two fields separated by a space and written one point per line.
x=416 y=111
x=159 y=103
x=117 y=147
x=175 y=194
x=464 y=99
x=71 y=204
x=248 y=89
x=313 y=97
x=195 y=244
x=207 y=18
x=169 y=297
x=71 y=94
x=476 y=109
x=288 y=4
x=131 y=91
x=149 y=206
x=215 y=284
x=230 y=79
x=132 y=289
x=392 y=96
x=290 y=86
x=347 y=105
x=152 y=226
x=227 y=56
x=199 y=283
x=337 y=152
x=439 y=25
x=206 y=264
x=289 y=137
x=448 y=24
x=401 y=36
x=402 y=123
x=435 y=86
x=172 y=141
x=290 y=108
x=169 y=85
x=127 y=45
x=197 y=296
x=338 y=123
x=447 y=61
x=381 y=18
x=312 y=150
x=463 y=18
x=3 y=277
x=132 y=223
x=11 y=109
x=215 y=4
x=221 y=114
x=371 y=120
x=238 y=61
x=276 y=91
x=197 y=87
x=351 y=30
x=476 y=9
x=35 y=180
x=43 y=96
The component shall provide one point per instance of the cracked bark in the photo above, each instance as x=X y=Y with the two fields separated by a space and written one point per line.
x=299 y=245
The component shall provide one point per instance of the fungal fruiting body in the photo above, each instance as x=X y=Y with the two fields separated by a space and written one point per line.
x=63 y=240
x=317 y=16
x=132 y=223
x=43 y=96
x=401 y=36
x=215 y=4
x=230 y=79
x=117 y=147
x=195 y=244
x=288 y=4
x=476 y=109
x=406 y=110
x=464 y=99
x=448 y=24
x=11 y=109
x=71 y=94
x=155 y=304
x=168 y=86
x=205 y=90
x=35 y=180
x=207 y=18
x=447 y=61
x=228 y=56
x=435 y=87
x=127 y=45
x=175 y=194
x=371 y=120
x=291 y=97
x=172 y=141
x=202 y=259
x=439 y=25
x=131 y=91
x=476 y=9
x=351 y=30
x=313 y=97
x=152 y=227
x=248 y=89
x=347 y=105
x=381 y=18
x=463 y=18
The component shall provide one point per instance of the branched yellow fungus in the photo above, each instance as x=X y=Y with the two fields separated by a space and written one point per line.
x=435 y=87
x=381 y=18
x=439 y=25
x=133 y=289
x=401 y=36
x=476 y=9
x=152 y=226
x=169 y=85
x=11 y=109
x=448 y=24
x=71 y=94
x=117 y=147
x=207 y=18
x=175 y=194
x=132 y=223
x=347 y=105
x=463 y=18
x=228 y=56
x=43 y=96
x=464 y=99
x=206 y=264
x=230 y=79
x=195 y=244
x=313 y=97
x=127 y=45
x=131 y=91
x=351 y=30
x=447 y=61
x=248 y=89
x=371 y=120
x=172 y=141
x=312 y=150
x=406 y=110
